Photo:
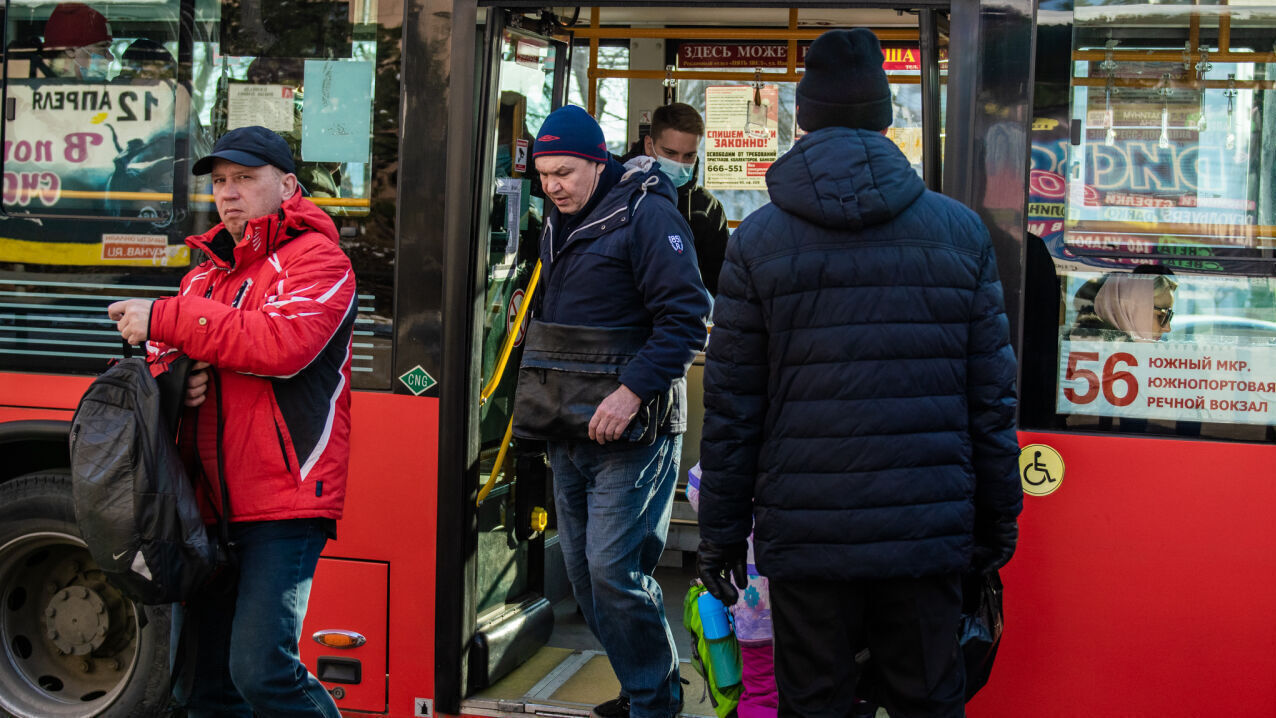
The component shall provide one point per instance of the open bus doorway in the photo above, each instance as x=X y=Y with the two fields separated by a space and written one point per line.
x=529 y=649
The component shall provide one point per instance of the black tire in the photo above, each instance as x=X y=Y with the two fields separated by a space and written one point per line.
x=44 y=565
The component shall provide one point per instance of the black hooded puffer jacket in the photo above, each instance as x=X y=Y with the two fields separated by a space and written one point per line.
x=860 y=384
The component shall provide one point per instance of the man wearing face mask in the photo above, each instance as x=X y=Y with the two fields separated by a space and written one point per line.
x=674 y=142
x=77 y=43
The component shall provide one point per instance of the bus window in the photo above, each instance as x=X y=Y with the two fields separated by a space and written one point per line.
x=612 y=111
x=111 y=101
x=1153 y=196
x=92 y=128
x=736 y=176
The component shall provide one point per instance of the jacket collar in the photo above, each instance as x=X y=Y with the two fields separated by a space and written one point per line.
x=264 y=235
x=642 y=179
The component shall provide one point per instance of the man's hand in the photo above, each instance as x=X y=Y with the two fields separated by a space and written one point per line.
x=197 y=384
x=717 y=565
x=133 y=319
x=995 y=541
x=613 y=415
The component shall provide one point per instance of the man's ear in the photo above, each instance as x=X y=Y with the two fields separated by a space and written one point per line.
x=599 y=167
x=290 y=185
x=648 y=147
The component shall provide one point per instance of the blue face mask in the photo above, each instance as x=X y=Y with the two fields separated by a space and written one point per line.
x=97 y=68
x=677 y=172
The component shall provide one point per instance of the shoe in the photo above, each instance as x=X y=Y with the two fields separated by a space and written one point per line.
x=617 y=707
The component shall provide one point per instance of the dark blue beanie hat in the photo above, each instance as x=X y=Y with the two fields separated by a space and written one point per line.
x=844 y=84
x=570 y=130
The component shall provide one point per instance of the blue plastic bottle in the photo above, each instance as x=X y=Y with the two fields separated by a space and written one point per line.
x=722 y=646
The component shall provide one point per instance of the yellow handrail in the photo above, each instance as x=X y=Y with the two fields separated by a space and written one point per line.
x=514 y=330
x=500 y=464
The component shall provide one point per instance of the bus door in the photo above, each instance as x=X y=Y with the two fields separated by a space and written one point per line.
x=627 y=62
x=524 y=80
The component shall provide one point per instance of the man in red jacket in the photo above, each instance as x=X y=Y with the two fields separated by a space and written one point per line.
x=271 y=310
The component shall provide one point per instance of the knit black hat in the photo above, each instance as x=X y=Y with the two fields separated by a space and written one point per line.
x=844 y=84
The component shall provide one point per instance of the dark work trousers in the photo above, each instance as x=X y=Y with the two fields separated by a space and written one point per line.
x=908 y=625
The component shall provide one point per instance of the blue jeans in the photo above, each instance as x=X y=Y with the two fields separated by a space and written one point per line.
x=613 y=504
x=245 y=658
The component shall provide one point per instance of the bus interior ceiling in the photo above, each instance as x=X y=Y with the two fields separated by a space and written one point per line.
x=571 y=673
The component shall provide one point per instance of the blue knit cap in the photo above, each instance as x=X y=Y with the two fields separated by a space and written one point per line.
x=570 y=130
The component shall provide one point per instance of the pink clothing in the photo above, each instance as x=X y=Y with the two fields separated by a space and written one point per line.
x=759 y=698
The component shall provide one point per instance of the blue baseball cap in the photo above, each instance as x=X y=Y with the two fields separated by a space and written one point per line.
x=251 y=146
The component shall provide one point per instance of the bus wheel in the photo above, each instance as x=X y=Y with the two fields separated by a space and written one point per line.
x=72 y=646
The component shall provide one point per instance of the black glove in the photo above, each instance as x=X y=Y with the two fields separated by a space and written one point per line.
x=994 y=543
x=718 y=564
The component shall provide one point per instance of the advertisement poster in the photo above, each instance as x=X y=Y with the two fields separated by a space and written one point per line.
x=89 y=149
x=1174 y=380
x=741 y=137
x=693 y=55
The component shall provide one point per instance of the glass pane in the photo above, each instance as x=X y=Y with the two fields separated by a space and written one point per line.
x=96 y=115
x=903 y=68
x=1167 y=314
x=105 y=123
x=525 y=94
x=612 y=104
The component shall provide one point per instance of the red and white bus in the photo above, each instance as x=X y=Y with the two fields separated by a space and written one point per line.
x=1093 y=138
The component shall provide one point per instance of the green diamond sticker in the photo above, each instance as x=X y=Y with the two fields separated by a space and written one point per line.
x=417 y=380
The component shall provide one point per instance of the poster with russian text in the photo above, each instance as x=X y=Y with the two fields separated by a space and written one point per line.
x=89 y=149
x=1173 y=380
x=741 y=138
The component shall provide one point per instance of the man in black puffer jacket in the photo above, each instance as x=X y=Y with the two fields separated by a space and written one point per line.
x=859 y=405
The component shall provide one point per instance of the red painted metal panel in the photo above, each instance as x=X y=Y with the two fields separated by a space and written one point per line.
x=1143 y=586
x=351 y=596
x=389 y=512
x=391 y=502
x=42 y=390
x=11 y=414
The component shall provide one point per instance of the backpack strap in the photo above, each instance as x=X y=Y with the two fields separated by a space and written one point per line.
x=187 y=647
x=224 y=544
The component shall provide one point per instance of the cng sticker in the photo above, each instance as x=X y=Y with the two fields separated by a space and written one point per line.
x=1040 y=469
x=516 y=301
x=417 y=380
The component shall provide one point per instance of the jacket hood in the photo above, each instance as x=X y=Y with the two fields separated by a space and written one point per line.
x=642 y=179
x=844 y=178
x=297 y=216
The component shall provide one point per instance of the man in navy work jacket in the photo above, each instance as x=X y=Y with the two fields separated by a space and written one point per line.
x=859 y=406
x=618 y=266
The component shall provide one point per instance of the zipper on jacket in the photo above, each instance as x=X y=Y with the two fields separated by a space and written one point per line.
x=283 y=449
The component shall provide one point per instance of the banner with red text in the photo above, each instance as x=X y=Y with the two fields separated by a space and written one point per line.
x=741 y=136
x=88 y=148
x=1172 y=380
x=692 y=55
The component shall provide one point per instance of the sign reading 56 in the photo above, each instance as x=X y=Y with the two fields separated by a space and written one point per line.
x=1119 y=387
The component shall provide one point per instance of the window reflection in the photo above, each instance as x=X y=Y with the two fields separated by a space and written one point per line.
x=1152 y=193
x=97 y=191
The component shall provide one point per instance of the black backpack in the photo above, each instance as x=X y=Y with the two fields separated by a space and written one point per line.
x=134 y=500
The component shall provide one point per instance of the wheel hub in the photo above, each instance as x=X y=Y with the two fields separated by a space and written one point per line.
x=77 y=620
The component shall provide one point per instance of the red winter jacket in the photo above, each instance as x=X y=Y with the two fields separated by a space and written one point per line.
x=277 y=324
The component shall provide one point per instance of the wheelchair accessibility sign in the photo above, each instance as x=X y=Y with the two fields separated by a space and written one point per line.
x=1040 y=469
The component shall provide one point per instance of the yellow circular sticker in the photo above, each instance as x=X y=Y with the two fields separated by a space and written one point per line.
x=1040 y=469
